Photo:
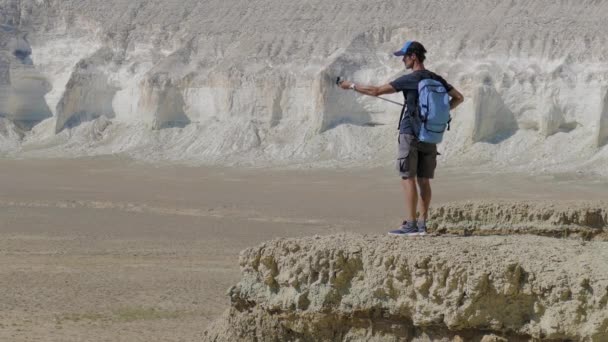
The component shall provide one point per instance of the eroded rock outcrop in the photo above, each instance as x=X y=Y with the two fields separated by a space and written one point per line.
x=494 y=121
x=88 y=94
x=22 y=87
x=578 y=219
x=602 y=135
x=162 y=103
x=383 y=288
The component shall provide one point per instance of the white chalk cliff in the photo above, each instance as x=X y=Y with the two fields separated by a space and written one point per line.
x=251 y=82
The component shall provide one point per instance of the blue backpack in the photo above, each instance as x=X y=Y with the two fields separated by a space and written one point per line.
x=433 y=111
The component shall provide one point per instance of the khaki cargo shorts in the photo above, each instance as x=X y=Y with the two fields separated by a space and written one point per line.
x=415 y=158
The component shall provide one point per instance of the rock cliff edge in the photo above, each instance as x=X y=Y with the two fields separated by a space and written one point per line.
x=382 y=288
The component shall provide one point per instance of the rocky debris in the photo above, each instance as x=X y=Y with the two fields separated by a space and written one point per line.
x=384 y=288
x=576 y=219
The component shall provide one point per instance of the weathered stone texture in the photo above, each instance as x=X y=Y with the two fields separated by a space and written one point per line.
x=382 y=288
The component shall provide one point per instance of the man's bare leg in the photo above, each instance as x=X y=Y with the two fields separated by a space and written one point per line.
x=411 y=197
x=425 y=197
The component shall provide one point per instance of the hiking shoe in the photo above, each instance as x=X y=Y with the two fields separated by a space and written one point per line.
x=421 y=228
x=406 y=229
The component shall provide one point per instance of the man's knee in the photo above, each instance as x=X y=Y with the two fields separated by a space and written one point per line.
x=411 y=180
x=424 y=181
x=408 y=183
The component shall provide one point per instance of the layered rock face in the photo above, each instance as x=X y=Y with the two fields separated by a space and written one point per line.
x=253 y=81
x=574 y=219
x=370 y=288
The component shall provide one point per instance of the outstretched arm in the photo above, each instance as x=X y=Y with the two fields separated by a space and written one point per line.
x=456 y=98
x=369 y=90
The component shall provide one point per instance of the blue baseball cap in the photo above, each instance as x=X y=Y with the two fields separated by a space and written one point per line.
x=403 y=49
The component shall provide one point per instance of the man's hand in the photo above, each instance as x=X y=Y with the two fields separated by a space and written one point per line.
x=456 y=98
x=345 y=84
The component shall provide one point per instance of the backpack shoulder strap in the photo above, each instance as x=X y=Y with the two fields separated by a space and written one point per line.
x=402 y=113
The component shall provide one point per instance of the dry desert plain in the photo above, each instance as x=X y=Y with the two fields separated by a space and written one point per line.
x=108 y=249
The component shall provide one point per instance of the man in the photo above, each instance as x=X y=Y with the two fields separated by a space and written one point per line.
x=416 y=161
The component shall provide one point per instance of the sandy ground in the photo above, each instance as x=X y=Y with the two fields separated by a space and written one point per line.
x=112 y=250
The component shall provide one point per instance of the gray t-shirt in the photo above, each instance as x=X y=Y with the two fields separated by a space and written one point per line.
x=408 y=84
